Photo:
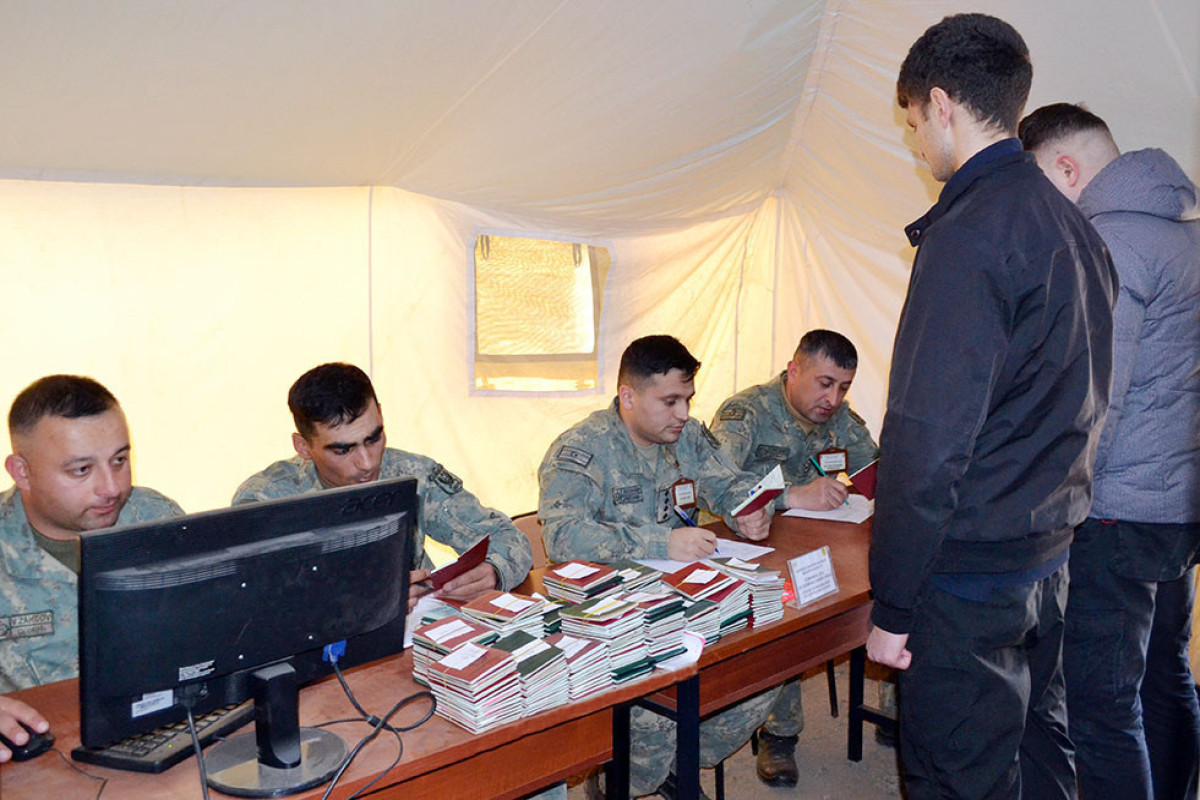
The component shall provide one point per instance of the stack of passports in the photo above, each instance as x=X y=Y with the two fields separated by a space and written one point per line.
x=620 y=626
x=542 y=667
x=663 y=615
x=703 y=618
x=477 y=687
x=587 y=663
x=576 y=581
x=733 y=603
x=436 y=639
x=551 y=623
x=637 y=577
x=766 y=587
x=698 y=581
x=505 y=612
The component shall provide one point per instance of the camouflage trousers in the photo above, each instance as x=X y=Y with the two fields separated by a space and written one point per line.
x=787 y=715
x=652 y=739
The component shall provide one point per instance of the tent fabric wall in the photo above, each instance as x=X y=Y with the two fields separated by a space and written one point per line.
x=197 y=203
x=199 y=307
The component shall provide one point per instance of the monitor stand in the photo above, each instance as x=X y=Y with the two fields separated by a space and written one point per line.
x=280 y=758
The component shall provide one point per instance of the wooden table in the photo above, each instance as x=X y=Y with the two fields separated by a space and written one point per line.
x=441 y=760
x=751 y=661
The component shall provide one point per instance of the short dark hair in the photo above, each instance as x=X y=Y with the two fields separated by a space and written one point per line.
x=331 y=394
x=655 y=355
x=1058 y=121
x=70 y=396
x=832 y=345
x=980 y=62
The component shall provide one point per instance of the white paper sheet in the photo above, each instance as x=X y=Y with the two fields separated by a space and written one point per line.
x=856 y=509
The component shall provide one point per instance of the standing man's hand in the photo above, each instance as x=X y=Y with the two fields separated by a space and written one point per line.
x=889 y=649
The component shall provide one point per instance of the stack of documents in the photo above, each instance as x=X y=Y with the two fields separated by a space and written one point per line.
x=550 y=608
x=663 y=614
x=698 y=581
x=617 y=623
x=505 y=612
x=638 y=577
x=703 y=618
x=542 y=667
x=766 y=587
x=576 y=581
x=587 y=664
x=477 y=687
x=436 y=639
x=734 y=607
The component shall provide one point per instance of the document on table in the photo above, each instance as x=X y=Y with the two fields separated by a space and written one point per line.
x=725 y=547
x=856 y=509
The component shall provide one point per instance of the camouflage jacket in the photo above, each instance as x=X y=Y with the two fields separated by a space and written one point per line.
x=39 y=636
x=601 y=499
x=758 y=429
x=448 y=513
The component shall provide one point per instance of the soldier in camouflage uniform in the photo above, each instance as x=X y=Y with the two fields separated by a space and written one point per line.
x=340 y=441
x=70 y=463
x=788 y=422
x=607 y=494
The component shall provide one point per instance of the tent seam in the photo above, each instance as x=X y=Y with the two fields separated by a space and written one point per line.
x=816 y=71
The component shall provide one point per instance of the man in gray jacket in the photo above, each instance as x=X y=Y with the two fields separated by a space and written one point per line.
x=1132 y=709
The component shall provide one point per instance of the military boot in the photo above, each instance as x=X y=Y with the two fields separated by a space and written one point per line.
x=776 y=764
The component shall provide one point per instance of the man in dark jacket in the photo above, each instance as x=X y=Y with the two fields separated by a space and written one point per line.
x=1133 y=715
x=998 y=389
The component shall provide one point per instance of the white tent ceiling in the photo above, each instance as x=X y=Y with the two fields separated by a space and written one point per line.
x=201 y=199
x=625 y=111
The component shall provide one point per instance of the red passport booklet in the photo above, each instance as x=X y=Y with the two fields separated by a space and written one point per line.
x=864 y=479
x=467 y=561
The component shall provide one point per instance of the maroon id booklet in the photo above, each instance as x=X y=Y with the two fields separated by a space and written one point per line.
x=466 y=562
x=864 y=479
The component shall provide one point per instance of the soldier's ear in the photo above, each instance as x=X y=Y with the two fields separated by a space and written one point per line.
x=625 y=394
x=18 y=468
x=301 y=445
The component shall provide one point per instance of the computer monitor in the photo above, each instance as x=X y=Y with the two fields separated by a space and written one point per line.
x=223 y=606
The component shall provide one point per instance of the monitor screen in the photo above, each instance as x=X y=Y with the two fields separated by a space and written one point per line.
x=198 y=605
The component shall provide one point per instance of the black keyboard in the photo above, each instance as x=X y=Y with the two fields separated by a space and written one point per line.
x=165 y=747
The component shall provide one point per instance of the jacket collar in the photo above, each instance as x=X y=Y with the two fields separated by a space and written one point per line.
x=985 y=161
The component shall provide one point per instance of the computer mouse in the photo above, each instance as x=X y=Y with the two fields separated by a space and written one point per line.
x=38 y=743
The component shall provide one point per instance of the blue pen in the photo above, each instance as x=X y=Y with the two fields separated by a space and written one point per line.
x=683 y=515
x=691 y=523
x=845 y=502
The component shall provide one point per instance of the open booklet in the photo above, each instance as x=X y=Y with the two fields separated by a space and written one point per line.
x=763 y=492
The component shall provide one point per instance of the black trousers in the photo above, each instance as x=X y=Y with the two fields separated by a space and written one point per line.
x=983 y=706
x=1134 y=716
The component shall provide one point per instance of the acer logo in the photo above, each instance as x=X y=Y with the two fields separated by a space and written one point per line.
x=381 y=501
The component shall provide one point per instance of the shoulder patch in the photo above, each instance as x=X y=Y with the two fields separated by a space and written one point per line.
x=574 y=455
x=446 y=480
x=732 y=413
x=854 y=416
x=709 y=436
